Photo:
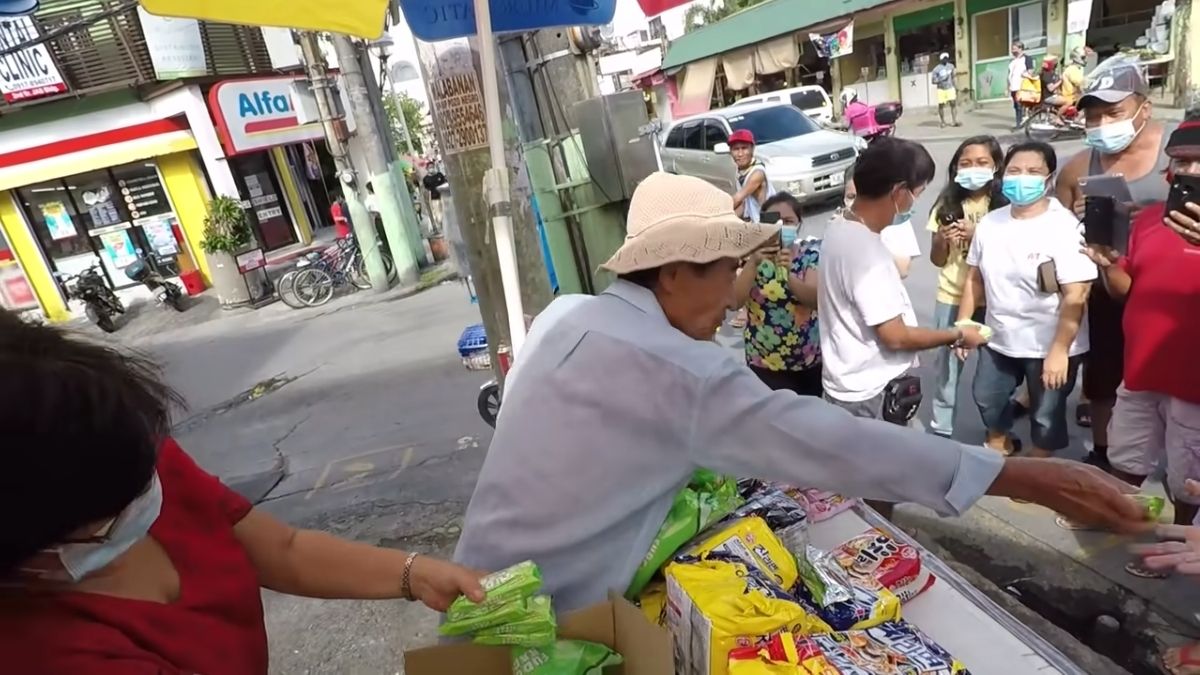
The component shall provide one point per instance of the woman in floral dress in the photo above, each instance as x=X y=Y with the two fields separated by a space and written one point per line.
x=778 y=288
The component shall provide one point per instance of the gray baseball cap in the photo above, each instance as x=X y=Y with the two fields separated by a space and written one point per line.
x=1114 y=85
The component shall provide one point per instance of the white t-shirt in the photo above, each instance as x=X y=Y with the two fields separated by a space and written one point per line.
x=1016 y=71
x=901 y=240
x=1007 y=252
x=860 y=289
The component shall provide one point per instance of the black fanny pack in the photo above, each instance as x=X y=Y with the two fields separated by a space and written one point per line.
x=901 y=399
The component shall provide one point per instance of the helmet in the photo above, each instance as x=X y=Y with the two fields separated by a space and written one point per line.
x=1079 y=55
x=849 y=95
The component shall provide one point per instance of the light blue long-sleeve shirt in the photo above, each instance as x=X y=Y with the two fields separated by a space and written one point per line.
x=610 y=409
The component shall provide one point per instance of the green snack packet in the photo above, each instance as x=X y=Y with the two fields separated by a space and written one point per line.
x=527 y=639
x=565 y=657
x=537 y=620
x=1154 y=505
x=708 y=498
x=513 y=610
x=514 y=583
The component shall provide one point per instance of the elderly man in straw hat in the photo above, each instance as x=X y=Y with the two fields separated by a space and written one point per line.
x=618 y=398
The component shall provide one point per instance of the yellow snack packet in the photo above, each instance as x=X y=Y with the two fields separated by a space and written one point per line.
x=752 y=541
x=653 y=602
x=714 y=607
x=783 y=654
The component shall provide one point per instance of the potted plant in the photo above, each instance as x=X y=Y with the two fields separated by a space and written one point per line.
x=226 y=234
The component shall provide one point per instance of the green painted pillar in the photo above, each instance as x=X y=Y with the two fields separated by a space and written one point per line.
x=388 y=200
x=412 y=224
x=892 y=51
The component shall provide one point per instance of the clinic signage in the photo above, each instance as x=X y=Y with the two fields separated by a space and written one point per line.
x=258 y=113
x=28 y=73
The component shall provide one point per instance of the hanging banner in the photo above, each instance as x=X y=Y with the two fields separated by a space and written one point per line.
x=176 y=50
x=433 y=20
x=363 y=18
x=29 y=73
x=833 y=45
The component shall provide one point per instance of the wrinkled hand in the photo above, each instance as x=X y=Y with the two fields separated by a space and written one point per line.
x=760 y=254
x=1186 y=225
x=437 y=583
x=1103 y=256
x=1076 y=490
x=1054 y=370
x=783 y=258
x=1182 y=552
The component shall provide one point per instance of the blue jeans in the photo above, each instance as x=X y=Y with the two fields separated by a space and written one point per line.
x=996 y=378
x=1018 y=109
x=948 y=368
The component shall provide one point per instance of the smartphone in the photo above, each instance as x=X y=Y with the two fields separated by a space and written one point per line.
x=1110 y=185
x=1106 y=222
x=769 y=217
x=1048 y=277
x=1185 y=188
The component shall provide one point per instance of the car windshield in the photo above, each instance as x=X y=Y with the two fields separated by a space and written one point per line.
x=807 y=100
x=774 y=124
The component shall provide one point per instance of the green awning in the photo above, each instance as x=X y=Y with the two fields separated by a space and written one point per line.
x=760 y=22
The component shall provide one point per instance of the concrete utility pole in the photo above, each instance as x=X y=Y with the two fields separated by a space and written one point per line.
x=364 y=228
x=452 y=77
x=381 y=178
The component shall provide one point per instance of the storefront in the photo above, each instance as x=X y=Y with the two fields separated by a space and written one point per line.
x=921 y=37
x=995 y=25
x=865 y=68
x=275 y=157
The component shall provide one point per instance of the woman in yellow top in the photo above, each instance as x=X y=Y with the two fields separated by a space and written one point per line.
x=972 y=192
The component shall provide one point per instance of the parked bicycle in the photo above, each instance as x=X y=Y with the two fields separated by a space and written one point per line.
x=319 y=274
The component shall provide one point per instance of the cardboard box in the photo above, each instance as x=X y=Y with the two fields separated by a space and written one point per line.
x=616 y=623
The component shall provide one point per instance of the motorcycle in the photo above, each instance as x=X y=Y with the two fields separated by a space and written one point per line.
x=148 y=271
x=1044 y=122
x=100 y=303
x=872 y=122
x=491 y=392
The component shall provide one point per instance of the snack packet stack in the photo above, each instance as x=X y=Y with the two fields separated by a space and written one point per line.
x=827 y=590
x=875 y=560
x=786 y=517
x=823 y=505
x=511 y=615
x=894 y=647
x=753 y=542
x=565 y=657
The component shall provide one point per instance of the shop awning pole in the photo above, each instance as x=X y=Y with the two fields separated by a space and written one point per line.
x=495 y=182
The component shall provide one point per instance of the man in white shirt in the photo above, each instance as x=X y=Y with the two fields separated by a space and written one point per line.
x=869 y=332
x=899 y=239
x=1020 y=65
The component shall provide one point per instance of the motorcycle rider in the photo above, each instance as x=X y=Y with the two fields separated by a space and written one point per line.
x=1073 y=79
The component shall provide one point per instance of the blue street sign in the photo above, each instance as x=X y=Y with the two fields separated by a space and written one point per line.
x=434 y=20
x=17 y=7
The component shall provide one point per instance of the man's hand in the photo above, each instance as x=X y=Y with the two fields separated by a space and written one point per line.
x=1054 y=369
x=760 y=254
x=1182 y=552
x=437 y=583
x=1076 y=490
x=1186 y=225
x=1103 y=256
x=971 y=337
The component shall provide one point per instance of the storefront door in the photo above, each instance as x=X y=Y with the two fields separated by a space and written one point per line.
x=921 y=38
x=267 y=213
x=992 y=35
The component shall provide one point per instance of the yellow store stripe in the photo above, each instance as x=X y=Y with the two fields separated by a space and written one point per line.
x=26 y=249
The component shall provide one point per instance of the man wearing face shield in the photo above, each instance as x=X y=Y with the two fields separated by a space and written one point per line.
x=1123 y=138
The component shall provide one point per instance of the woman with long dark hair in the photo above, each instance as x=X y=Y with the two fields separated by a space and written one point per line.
x=972 y=192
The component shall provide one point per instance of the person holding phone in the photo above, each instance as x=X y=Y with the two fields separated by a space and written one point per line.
x=754 y=188
x=1156 y=419
x=778 y=288
x=1124 y=140
x=1025 y=262
x=973 y=191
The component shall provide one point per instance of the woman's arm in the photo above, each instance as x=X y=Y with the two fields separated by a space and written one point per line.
x=804 y=290
x=1070 y=314
x=745 y=279
x=319 y=565
x=939 y=249
x=972 y=291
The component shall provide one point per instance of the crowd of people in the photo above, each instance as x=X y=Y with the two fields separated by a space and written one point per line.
x=134 y=560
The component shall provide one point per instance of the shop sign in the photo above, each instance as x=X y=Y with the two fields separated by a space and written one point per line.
x=259 y=113
x=434 y=20
x=458 y=106
x=251 y=260
x=160 y=232
x=29 y=73
x=176 y=49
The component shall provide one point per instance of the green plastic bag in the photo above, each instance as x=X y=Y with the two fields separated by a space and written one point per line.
x=1154 y=505
x=513 y=610
x=707 y=499
x=514 y=583
x=565 y=657
x=536 y=628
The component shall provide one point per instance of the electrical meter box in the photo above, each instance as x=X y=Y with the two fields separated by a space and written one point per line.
x=619 y=155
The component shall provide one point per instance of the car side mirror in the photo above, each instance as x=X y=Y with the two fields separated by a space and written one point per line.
x=721 y=148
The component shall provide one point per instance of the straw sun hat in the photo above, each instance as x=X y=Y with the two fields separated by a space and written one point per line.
x=683 y=219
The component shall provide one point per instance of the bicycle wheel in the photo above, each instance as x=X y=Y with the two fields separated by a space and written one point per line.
x=356 y=272
x=1044 y=125
x=313 y=286
x=286 y=289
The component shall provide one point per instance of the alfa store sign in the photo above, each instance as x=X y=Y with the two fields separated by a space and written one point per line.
x=259 y=113
x=29 y=73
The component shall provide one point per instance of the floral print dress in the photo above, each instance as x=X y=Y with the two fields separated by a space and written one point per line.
x=781 y=334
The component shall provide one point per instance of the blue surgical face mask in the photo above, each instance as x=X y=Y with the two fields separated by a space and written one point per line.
x=1109 y=139
x=903 y=217
x=80 y=560
x=1025 y=189
x=974 y=178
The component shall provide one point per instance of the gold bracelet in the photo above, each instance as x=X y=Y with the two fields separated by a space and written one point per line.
x=406 y=579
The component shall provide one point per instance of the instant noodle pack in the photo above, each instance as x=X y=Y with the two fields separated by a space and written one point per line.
x=750 y=596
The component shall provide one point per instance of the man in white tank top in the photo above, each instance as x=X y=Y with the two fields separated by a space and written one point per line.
x=754 y=187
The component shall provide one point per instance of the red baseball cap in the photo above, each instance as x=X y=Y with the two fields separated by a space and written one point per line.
x=741 y=136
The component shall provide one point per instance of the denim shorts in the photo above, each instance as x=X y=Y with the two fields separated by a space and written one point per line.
x=998 y=376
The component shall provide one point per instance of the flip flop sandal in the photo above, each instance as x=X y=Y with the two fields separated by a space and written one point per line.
x=1083 y=415
x=1068 y=524
x=1182 y=660
x=1138 y=570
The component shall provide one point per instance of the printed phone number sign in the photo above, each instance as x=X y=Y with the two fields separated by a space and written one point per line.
x=459 y=106
x=29 y=73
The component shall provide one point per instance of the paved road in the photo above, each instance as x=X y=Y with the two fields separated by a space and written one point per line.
x=360 y=420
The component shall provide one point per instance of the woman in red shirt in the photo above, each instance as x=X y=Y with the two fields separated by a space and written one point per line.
x=136 y=560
